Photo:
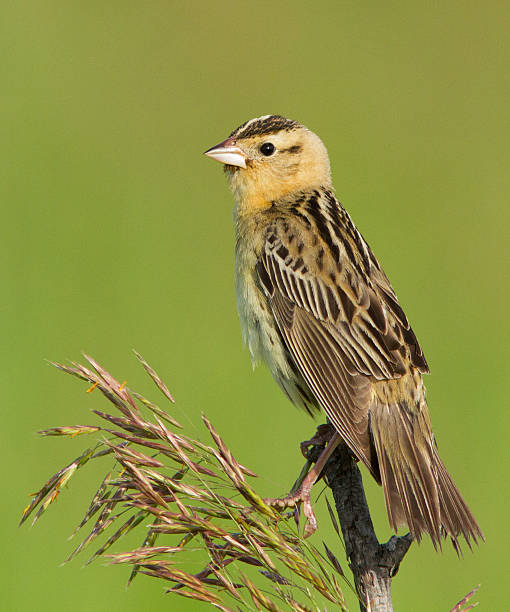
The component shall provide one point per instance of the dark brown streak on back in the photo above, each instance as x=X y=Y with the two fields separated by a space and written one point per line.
x=345 y=230
x=315 y=213
x=348 y=249
x=343 y=226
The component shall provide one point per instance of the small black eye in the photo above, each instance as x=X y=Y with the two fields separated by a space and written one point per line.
x=267 y=149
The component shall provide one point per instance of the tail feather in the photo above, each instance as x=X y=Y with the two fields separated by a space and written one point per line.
x=418 y=490
x=458 y=518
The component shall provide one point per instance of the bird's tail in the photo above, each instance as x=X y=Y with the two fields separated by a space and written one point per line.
x=418 y=490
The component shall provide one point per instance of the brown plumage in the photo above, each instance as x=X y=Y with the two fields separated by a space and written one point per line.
x=316 y=306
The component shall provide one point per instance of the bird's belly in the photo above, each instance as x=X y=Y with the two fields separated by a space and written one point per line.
x=258 y=326
x=265 y=344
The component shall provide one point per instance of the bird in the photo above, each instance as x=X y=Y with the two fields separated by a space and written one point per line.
x=316 y=306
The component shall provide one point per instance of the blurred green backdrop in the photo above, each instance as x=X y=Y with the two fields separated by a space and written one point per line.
x=117 y=234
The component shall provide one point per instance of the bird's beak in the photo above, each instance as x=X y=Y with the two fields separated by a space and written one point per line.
x=228 y=153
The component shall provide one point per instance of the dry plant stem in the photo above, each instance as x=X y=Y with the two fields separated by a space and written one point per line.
x=373 y=565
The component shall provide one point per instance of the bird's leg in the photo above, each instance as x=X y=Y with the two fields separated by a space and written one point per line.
x=302 y=495
x=323 y=435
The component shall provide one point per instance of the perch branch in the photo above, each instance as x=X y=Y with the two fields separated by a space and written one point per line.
x=373 y=564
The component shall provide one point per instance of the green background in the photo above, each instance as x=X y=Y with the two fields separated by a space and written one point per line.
x=117 y=234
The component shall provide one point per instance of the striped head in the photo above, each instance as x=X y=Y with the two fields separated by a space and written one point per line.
x=270 y=157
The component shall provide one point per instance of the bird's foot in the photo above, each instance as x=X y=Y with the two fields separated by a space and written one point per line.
x=301 y=497
x=323 y=435
x=298 y=500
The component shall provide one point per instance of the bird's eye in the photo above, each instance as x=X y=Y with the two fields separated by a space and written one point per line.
x=267 y=149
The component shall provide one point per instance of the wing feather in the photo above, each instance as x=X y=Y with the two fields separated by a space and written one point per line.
x=341 y=329
x=319 y=358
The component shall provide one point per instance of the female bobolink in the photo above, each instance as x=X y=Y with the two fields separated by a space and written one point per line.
x=316 y=306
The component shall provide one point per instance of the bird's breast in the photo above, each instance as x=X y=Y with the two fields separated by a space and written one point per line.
x=257 y=321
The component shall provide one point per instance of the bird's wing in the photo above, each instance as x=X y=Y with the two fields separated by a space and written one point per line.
x=341 y=329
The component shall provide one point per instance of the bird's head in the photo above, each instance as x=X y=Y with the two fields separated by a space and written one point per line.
x=270 y=157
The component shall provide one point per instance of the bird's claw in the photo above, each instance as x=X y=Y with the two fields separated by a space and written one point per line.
x=301 y=497
x=298 y=500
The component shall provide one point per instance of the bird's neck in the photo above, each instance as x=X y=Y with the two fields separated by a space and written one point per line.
x=251 y=216
x=253 y=202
